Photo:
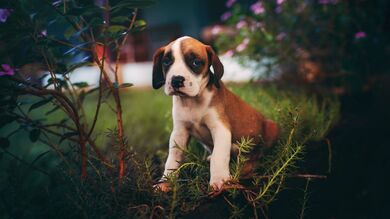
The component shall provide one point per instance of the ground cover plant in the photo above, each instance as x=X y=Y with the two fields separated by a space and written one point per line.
x=72 y=150
x=302 y=117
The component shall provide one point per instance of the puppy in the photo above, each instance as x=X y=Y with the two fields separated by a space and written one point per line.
x=204 y=109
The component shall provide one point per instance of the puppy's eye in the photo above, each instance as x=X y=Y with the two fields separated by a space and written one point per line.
x=197 y=62
x=166 y=61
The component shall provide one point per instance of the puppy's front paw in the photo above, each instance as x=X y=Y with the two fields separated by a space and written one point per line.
x=217 y=181
x=162 y=186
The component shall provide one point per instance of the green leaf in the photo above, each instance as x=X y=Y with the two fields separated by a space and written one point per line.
x=40 y=156
x=81 y=84
x=139 y=25
x=125 y=4
x=96 y=22
x=116 y=28
x=82 y=96
x=5 y=119
x=40 y=103
x=52 y=110
x=68 y=135
x=75 y=11
x=60 y=82
x=34 y=134
x=92 y=90
x=120 y=19
x=69 y=32
x=92 y=10
x=124 y=85
x=4 y=142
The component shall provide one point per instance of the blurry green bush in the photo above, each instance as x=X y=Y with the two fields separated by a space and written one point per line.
x=340 y=45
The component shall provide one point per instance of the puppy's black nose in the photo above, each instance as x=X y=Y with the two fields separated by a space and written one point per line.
x=177 y=82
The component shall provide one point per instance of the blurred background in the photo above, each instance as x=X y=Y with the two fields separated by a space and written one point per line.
x=168 y=20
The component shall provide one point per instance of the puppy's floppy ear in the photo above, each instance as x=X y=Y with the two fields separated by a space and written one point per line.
x=217 y=66
x=158 y=75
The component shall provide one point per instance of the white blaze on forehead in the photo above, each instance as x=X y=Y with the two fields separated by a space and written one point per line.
x=176 y=49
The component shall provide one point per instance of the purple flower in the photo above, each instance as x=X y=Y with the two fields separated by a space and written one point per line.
x=4 y=13
x=242 y=46
x=7 y=70
x=279 y=2
x=257 y=8
x=360 y=35
x=226 y=16
x=229 y=53
x=230 y=3
x=241 y=24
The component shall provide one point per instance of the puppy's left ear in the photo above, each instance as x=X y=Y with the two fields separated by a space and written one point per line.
x=217 y=66
x=158 y=75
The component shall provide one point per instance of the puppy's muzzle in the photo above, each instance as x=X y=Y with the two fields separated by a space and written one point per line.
x=177 y=82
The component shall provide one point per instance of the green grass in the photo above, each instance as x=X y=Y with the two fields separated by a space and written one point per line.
x=147 y=123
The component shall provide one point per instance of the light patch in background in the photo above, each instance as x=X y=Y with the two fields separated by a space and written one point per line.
x=140 y=74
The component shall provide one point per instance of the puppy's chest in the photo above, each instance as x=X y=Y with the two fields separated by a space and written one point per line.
x=195 y=120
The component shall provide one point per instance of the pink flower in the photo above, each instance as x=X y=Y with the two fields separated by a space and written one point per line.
x=216 y=30
x=229 y=53
x=242 y=46
x=281 y=36
x=255 y=26
x=44 y=33
x=360 y=35
x=257 y=8
x=7 y=70
x=241 y=24
x=226 y=16
x=4 y=14
x=279 y=2
x=230 y=3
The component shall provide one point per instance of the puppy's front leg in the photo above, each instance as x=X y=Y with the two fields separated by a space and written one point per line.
x=220 y=158
x=177 y=142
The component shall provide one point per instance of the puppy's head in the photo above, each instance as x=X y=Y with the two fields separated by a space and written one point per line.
x=183 y=66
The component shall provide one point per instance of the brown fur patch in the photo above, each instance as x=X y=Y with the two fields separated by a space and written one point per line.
x=242 y=119
x=192 y=48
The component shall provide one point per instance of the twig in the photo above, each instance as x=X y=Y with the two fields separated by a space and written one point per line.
x=121 y=154
x=100 y=94
x=305 y=199
x=329 y=144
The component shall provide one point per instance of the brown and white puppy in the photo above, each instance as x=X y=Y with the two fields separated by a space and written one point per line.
x=203 y=108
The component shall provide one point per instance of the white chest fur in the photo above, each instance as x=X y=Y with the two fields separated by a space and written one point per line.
x=195 y=115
